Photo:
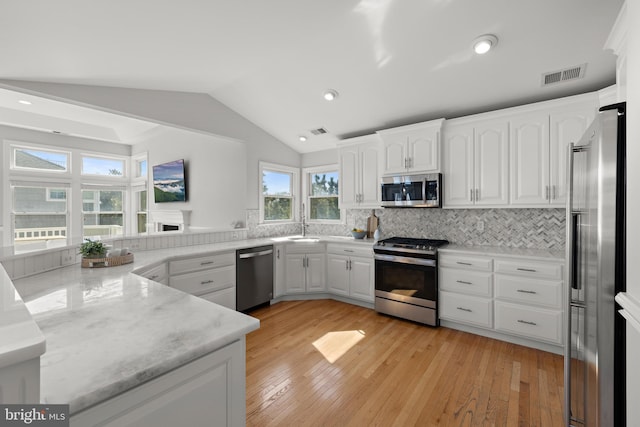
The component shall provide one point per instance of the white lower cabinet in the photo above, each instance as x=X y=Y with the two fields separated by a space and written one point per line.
x=156 y=272
x=529 y=322
x=208 y=391
x=467 y=309
x=211 y=277
x=350 y=271
x=305 y=268
x=516 y=296
x=278 y=270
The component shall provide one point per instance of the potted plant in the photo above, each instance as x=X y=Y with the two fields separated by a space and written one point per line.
x=92 y=249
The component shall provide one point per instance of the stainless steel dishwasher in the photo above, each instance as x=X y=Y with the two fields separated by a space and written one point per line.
x=254 y=277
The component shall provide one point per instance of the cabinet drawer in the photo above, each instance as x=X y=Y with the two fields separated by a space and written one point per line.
x=156 y=273
x=537 y=323
x=462 y=308
x=201 y=263
x=529 y=291
x=530 y=269
x=306 y=248
x=224 y=297
x=337 y=249
x=466 y=282
x=201 y=282
x=466 y=262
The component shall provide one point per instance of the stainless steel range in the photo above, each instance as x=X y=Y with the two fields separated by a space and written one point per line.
x=406 y=278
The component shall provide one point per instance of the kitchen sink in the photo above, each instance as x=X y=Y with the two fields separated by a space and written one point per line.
x=303 y=239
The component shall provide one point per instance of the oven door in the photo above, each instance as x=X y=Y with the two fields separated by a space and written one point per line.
x=406 y=279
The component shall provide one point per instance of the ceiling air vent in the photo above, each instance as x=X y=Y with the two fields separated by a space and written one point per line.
x=572 y=73
x=319 y=131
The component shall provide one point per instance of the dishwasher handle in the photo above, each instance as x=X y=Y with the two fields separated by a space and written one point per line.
x=255 y=254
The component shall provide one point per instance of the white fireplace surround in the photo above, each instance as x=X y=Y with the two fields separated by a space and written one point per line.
x=165 y=221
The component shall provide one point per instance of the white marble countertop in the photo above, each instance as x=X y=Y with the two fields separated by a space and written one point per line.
x=20 y=337
x=108 y=330
x=542 y=254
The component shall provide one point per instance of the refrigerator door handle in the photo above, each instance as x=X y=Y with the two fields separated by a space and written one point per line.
x=575 y=277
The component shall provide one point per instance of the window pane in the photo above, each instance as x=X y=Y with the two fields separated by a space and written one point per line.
x=324 y=208
x=102 y=213
x=324 y=184
x=39 y=223
x=277 y=208
x=43 y=160
x=276 y=183
x=142 y=211
x=142 y=169
x=102 y=166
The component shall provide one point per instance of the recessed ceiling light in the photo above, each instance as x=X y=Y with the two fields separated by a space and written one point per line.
x=302 y=138
x=484 y=44
x=25 y=102
x=330 y=94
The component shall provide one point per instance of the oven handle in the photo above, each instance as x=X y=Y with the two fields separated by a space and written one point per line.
x=405 y=260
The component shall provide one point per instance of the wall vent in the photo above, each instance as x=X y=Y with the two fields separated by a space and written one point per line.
x=567 y=74
x=319 y=131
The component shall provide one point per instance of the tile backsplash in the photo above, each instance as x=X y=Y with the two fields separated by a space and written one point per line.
x=516 y=228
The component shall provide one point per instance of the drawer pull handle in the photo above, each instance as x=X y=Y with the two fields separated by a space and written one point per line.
x=464 y=283
x=528 y=270
x=526 y=322
x=206 y=263
x=463 y=263
x=524 y=291
x=154 y=277
x=465 y=309
x=206 y=282
x=348 y=250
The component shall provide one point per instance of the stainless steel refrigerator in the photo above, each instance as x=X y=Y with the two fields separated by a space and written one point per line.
x=595 y=352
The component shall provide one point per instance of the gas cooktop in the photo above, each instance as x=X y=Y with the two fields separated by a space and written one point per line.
x=409 y=244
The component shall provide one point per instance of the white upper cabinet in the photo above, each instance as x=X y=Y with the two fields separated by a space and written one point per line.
x=530 y=159
x=476 y=163
x=539 y=141
x=359 y=172
x=412 y=149
x=567 y=126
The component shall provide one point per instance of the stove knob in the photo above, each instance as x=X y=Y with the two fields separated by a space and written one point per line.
x=381 y=243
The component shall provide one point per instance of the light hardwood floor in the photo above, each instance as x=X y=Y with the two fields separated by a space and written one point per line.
x=328 y=363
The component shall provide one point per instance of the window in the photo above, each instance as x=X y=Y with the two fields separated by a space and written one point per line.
x=40 y=160
x=321 y=191
x=279 y=188
x=56 y=194
x=103 y=166
x=39 y=222
x=141 y=210
x=141 y=168
x=102 y=212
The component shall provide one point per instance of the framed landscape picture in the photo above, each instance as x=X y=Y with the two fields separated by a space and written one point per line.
x=169 y=182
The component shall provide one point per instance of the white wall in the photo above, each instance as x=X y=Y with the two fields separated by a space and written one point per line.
x=320 y=158
x=633 y=201
x=192 y=111
x=216 y=174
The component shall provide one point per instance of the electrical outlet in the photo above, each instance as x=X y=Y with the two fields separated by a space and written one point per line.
x=480 y=226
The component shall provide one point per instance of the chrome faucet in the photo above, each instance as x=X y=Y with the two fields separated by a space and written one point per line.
x=304 y=221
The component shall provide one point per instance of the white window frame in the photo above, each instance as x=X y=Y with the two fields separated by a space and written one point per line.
x=306 y=192
x=10 y=150
x=125 y=163
x=124 y=212
x=295 y=191
x=11 y=211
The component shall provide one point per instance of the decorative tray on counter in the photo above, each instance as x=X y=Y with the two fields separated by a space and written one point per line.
x=107 y=261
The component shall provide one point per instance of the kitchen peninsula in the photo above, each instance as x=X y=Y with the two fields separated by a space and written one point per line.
x=120 y=347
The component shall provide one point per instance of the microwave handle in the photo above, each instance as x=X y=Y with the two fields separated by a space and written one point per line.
x=424 y=190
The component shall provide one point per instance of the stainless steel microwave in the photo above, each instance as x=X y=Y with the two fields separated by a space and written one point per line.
x=413 y=191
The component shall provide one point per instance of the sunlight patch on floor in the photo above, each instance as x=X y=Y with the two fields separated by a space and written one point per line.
x=333 y=345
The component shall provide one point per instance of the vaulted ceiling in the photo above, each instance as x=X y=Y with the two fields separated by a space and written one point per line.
x=393 y=62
